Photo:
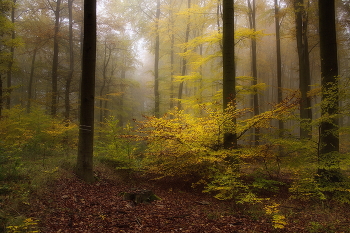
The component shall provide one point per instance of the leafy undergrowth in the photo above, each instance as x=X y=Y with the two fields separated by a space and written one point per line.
x=70 y=205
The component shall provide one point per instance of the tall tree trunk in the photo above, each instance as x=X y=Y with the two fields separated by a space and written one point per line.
x=184 y=59
x=252 y=23
x=329 y=135
x=30 y=83
x=10 y=65
x=156 y=65
x=218 y=18
x=172 y=55
x=301 y=24
x=54 y=88
x=229 y=70
x=122 y=97
x=71 y=61
x=201 y=74
x=84 y=166
x=1 y=96
x=172 y=63
x=104 y=78
x=279 y=63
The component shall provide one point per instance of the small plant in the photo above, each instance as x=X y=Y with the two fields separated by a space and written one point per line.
x=114 y=146
x=28 y=225
x=278 y=219
x=315 y=227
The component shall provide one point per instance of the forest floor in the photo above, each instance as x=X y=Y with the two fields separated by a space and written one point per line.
x=70 y=205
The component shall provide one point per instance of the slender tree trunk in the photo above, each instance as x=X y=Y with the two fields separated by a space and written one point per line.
x=71 y=61
x=252 y=23
x=201 y=74
x=172 y=63
x=54 y=79
x=104 y=77
x=279 y=63
x=10 y=66
x=184 y=59
x=218 y=18
x=122 y=96
x=30 y=83
x=1 y=96
x=229 y=70
x=156 y=65
x=172 y=55
x=84 y=167
x=301 y=23
x=329 y=135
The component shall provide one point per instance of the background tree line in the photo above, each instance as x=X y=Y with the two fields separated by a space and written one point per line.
x=244 y=96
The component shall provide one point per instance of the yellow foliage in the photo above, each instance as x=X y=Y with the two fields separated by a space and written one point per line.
x=19 y=130
x=29 y=225
x=179 y=142
x=278 y=219
x=59 y=128
x=314 y=92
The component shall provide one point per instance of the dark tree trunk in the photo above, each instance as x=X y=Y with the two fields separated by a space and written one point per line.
x=84 y=167
x=107 y=58
x=184 y=59
x=71 y=61
x=30 y=83
x=10 y=66
x=252 y=19
x=1 y=96
x=156 y=65
x=329 y=135
x=279 y=63
x=218 y=18
x=229 y=70
x=301 y=23
x=54 y=88
x=172 y=63
x=122 y=97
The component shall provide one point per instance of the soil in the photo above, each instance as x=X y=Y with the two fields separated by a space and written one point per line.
x=70 y=205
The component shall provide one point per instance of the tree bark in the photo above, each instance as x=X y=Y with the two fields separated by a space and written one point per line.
x=252 y=19
x=229 y=70
x=1 y=96
x=106 y=60
x=84 y=166
x=30 y=83
x=184 y=59
x=172 y=63
x=10 y=65
x=279 y=63
x=122 y=96
x=301 y=24
x=54 y=78
x=329 y=135
x=156 y=65
x=71 y=61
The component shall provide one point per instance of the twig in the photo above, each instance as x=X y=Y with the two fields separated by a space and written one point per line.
x=138 y=221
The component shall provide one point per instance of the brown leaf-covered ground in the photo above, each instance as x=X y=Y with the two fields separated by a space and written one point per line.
x=70 y=205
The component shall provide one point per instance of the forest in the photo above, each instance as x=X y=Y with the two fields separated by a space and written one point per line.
x=174 y=116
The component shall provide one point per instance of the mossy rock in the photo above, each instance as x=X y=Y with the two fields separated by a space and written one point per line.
x=140 y=196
